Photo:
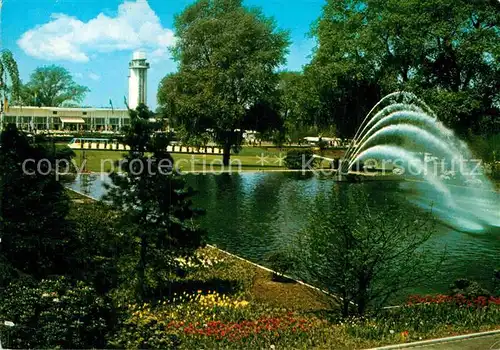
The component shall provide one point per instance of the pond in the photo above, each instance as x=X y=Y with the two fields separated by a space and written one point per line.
x=253 y=214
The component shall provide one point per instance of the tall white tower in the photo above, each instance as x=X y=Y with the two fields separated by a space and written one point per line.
x=138 y=80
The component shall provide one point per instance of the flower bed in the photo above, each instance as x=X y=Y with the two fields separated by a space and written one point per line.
x=238 y=318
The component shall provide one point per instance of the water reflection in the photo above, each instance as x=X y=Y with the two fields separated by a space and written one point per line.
x=254 y=214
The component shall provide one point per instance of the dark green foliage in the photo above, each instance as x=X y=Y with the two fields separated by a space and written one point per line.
x=298 y=158
x=282 y=262
x=33 y=207
x=98 y=245
x=54 y=313
x=322 y=145
x=151 y=335
x=153 y=206
x=496 y=282
x=469 y=289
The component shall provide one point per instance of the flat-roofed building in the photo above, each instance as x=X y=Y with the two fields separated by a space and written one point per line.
x=66 y=119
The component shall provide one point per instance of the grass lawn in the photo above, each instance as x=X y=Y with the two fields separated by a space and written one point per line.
x=250 y=158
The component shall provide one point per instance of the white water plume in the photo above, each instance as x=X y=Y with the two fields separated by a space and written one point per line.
x=403 y=130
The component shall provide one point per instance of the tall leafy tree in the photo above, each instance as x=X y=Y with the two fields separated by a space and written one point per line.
x=53 y=86
x=153 y=205
x=446 y=52
x=10 y=84
x=227 y=55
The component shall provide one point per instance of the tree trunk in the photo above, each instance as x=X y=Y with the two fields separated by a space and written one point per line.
x=345 y=308
x=362 y=299
x=227 y=155
x=141 y=270
x=345 y=304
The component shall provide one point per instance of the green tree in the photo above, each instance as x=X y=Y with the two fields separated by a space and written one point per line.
x=446 y=52
x=33 y=206
x=153 y=206
x=53 y=86
x=10 y=84
x=227 y=55
x=368 y=258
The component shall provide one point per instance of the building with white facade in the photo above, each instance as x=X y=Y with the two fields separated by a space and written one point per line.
x=33 y=118
x=69 y=119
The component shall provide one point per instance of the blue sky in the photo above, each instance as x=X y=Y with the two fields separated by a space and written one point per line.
x=94 y=39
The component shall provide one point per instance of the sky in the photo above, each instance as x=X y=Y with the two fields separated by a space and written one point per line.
x=95 y=39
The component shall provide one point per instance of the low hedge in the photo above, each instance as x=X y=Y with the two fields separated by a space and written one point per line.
x=299 y=158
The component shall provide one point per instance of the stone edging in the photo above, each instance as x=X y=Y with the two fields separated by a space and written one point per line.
x=438 y=341
x=81 y=194
x=240 y=258
x=272 y=271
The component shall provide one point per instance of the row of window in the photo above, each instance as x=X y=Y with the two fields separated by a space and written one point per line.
x=43 y=120
x=55 y=113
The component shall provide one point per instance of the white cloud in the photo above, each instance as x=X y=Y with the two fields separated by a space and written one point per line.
x=136 y=26
x=94 y=76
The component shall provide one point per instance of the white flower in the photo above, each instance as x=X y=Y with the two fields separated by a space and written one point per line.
x=273 y=347
x=391 y=331
x=8 y=323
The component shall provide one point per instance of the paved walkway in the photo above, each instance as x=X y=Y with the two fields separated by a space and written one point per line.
x=482 y=343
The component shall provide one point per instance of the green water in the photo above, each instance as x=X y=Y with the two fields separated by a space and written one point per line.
x=254 y=214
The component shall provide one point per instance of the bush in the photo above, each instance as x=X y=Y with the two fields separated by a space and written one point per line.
x=54 y=313
x=97 y=244
x=322 y=145
x=299 y=158
x=469 y=289
x=496 y=282
x=281 y=262
x=366 y=260
x=495 y=171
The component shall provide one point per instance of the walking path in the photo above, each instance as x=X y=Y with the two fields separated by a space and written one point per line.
x=476 y=341
x=485 y=343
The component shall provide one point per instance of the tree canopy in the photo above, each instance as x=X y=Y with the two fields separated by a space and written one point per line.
x=446 y=52
x=228 y=55
x=10 y=84
x=53 y=86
